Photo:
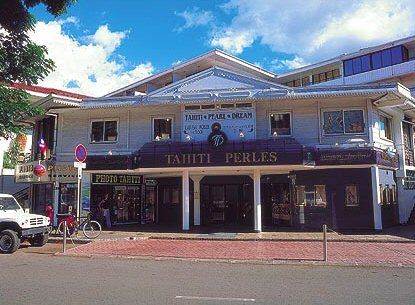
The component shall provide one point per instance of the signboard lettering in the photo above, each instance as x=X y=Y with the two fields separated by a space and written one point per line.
x=116 y=179
x=198 y=124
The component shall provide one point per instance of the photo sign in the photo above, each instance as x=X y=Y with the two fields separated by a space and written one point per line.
x=198 y=124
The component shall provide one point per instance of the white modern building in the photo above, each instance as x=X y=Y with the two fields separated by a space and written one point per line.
x=216 y=141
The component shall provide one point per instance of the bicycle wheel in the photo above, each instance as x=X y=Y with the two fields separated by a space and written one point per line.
x=69 y=231
x=92 y=229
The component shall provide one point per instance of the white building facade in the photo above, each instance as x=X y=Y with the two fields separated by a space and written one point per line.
x=218 y=142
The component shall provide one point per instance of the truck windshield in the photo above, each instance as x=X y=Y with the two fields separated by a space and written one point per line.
x=8 y=203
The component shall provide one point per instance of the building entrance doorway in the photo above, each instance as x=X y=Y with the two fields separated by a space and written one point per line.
x=227 y=204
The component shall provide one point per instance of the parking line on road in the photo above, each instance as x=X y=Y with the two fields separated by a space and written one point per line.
x=187 y=297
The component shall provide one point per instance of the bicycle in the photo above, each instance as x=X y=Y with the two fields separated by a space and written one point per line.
x=90 y=228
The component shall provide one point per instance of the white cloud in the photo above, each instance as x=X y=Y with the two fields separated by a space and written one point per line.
x=107 y=39
x=195 y=17
x=90 y=67
x=290 y=64
x=316 y=29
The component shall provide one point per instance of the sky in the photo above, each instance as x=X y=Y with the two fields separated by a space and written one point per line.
x=100 y=46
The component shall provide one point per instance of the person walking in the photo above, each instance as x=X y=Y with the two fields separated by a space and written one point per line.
x=104 y=205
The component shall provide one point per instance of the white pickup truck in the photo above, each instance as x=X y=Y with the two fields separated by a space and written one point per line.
x=17 y=226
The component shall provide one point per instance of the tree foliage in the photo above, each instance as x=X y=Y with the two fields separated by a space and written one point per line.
x=21 y=60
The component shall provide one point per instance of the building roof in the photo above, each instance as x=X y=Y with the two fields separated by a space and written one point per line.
x=202 y=62
x=48 y=91
x=219 y=85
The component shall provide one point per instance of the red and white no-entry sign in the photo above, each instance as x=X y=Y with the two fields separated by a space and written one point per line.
x=80 y=153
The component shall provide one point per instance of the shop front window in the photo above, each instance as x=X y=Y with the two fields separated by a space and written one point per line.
x=351 y=195
x=42 y=196
x=312 y=196
x=162 y=128
x=67 y=198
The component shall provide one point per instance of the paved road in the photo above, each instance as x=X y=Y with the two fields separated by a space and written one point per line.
x=35 y=279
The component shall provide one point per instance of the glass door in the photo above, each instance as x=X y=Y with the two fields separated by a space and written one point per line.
x=217 y=204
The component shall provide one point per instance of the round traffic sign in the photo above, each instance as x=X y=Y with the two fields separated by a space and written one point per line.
x=80 y=153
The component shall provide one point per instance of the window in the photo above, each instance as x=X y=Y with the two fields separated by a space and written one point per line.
x=380 y=194
x=211 y=106
x=386 y=195
x=300 y=195
x=351 y=196
x=326 y=76
x=385 y=127
x=312 y=196
x=244 y=105
x=357 y=65
x=343 y=122
x=280 y=124
x=162 y=128
x=348 y=67
x=393 y=195
x=365 y=60
x=397 y=55
x=227 y=106
x=192 y=107
x=353 y=121
x=386 y=58
x=306 y=80
x=171 y=195
x=377 y=60
x=104 y=131
x=297 y=83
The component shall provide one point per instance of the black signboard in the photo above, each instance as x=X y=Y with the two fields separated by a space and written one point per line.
x=258 y=152
x=116 y=179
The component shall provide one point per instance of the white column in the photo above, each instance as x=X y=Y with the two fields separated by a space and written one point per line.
x=196 y=199
x=186 y=200
x=257 y=200
x=377 y=211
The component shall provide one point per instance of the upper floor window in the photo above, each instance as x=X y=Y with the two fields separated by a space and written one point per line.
x=162 y=128
x=343 y=121
x=104 y=131
x=325 y=76
x=385 y=127
x=376 y=60
x=280 y=124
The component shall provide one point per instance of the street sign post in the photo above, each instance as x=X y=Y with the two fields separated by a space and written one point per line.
x=80 y=157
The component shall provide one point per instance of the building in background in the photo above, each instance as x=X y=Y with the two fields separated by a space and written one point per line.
x=31 y=190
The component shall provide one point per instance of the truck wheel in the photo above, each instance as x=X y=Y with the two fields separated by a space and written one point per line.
x=9 y=241
x=39 y=240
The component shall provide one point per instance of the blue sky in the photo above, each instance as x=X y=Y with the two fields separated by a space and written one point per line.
x=99 y=46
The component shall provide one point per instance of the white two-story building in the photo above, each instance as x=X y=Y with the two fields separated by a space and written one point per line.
x=217 y=141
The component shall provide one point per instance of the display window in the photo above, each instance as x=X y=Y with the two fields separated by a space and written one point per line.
x=67 y=198
x=42 y=196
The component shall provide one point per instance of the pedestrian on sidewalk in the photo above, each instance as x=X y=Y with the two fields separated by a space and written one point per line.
x=104 y=206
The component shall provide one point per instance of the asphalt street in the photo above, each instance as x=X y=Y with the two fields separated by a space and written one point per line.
x=31 y=278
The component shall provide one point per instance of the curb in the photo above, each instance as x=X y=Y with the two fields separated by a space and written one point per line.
x=349 y=240
x=236 y=261
x=281 y=239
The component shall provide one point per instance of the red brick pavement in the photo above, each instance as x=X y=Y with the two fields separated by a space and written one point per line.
x=338 y=252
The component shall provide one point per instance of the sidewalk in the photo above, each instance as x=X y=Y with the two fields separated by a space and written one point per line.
x=268 y=252
x=398 y=234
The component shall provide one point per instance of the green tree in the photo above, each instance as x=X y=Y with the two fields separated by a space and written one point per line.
x=21 y=60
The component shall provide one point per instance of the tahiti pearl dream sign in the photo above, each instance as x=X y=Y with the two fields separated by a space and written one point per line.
x=236 y=124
